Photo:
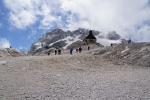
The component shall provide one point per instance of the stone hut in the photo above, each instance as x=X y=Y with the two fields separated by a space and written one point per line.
x=90 y=39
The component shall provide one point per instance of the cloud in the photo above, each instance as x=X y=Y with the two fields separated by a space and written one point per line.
x=120 y=15
x=4 y=43
x=25 y=13
x=127 y=17
x=21 y=13
x=143 y=34
x=22 y=19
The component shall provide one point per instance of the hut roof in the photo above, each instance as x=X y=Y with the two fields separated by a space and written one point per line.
x=90 y=36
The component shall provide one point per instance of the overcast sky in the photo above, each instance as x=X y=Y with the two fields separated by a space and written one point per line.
x=22 y=22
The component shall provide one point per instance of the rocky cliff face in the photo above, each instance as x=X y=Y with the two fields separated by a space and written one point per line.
x=59 y=38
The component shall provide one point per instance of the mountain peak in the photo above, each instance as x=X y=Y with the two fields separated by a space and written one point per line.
x=59 y=38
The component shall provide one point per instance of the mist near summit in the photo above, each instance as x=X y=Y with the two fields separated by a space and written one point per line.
x=130 y=18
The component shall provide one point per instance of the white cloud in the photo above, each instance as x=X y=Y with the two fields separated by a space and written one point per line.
x=21 y=12
x=124 y=16
x=143 y=34
x=4 y=43
x=22 y=19
x=127 y=17
x=109 y=14
x=24 y=13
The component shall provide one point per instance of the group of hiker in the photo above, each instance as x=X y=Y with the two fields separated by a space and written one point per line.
x=71 y=50
x=78 y=50
x=58 y=52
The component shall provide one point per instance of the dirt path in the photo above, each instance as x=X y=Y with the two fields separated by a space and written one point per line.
x=78 y=77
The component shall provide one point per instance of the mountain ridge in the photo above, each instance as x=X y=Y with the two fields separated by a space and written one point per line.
x=58 y=38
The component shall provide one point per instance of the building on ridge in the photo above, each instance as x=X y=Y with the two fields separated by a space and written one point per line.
x=90 y=39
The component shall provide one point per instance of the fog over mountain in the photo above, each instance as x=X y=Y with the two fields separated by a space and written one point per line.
x=130 y=18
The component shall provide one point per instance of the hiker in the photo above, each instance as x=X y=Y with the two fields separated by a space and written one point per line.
x=48 y=53
x=111 y=45
x=88 y=48
x=71 y=51
x=77 y=50
x=80 y=50
x=129 y=41
x=55 y=52
x=59 y=52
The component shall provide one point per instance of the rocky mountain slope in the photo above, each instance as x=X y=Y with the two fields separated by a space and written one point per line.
x=137 y=54
x=67 y=77
x=9 y=52
x=59 y=38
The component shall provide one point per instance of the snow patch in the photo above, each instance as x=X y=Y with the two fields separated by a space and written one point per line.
x=38 y=45
x=68 y=40
x=71 y=40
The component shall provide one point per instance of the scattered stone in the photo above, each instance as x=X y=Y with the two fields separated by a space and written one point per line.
x=134 y=54
x=3 y=62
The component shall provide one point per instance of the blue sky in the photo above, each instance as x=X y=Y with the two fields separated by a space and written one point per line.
x=23 y=22
x=19 y=38
x=21 y=34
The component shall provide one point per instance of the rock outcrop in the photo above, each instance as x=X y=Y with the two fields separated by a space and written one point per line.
x=59 y=38
x=10 y=52
x=137 y=54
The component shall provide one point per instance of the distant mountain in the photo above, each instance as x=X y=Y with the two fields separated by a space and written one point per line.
x=59 y=38
x=10 y=52
x=113 y=36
